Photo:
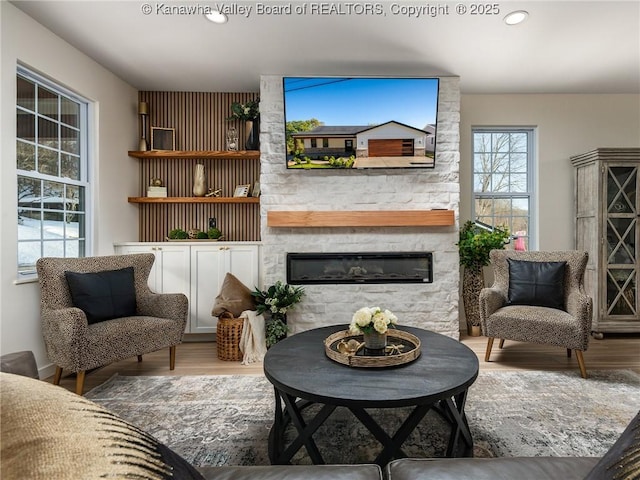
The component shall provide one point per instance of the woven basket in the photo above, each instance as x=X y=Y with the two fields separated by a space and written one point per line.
x=228 y=335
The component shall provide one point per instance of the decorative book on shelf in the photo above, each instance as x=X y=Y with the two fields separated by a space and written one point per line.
x=154 y=191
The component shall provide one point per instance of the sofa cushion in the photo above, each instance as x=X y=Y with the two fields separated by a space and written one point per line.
x=294 y=472
x=50 y=433
x=503 y=468
x=539 y=284
x=234 y=298
x=622 y=460
x=103 y=295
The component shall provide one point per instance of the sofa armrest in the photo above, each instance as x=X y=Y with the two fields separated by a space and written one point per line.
x=69 y=324
x=580 y=306
x=491 y=299
x=173 y=306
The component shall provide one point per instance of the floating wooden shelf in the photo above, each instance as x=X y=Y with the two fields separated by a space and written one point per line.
x=403 y=218
x=194 y=200
x=240 y=154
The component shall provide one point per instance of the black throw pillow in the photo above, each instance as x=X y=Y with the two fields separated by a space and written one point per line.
x=103 y=295
x=539 y=284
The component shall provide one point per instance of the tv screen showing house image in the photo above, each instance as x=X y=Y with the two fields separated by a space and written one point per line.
x=360 y=122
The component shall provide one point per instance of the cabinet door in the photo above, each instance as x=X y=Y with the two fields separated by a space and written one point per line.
x=209 y=265
x=622 y=263
x=172 y=269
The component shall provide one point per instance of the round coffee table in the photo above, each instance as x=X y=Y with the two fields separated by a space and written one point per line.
x=302 y=374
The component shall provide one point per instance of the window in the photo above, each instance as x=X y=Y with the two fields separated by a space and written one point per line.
x=52 y=177
x=325 y=143
x=314 y=143
x=503 y=183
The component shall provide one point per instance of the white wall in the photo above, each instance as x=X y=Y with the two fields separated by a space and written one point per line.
x=115 y=176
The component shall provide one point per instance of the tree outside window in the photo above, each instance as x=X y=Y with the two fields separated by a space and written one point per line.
x=502 y=181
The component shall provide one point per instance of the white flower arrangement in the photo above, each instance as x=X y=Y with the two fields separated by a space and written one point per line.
x=372 y=319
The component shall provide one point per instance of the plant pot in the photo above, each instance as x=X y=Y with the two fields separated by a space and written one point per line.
x=472 y=284
x=375 y=341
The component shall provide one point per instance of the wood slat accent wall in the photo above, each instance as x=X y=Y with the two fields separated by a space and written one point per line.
x=200 y=122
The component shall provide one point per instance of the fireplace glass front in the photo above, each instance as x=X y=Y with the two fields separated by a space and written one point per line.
x=374 y=267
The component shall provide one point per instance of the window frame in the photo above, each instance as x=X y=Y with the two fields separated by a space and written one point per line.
x=530 y=193
x=85 y=164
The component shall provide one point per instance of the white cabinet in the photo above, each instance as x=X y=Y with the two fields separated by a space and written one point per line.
x=170 y=271
x=197 y=269
x=209 y=265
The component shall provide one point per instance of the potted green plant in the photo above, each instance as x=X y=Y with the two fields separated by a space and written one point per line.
x=277 y=300
x=474 y=246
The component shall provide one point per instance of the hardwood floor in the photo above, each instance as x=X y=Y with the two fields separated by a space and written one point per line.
x=199 y=358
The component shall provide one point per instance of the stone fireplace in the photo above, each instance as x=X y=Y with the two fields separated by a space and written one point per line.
x=431 y=305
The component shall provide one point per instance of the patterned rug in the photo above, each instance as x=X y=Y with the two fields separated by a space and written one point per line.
x=225 y=419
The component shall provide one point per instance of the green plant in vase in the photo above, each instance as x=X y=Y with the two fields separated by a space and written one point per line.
x=474 y=246
x=277 y=300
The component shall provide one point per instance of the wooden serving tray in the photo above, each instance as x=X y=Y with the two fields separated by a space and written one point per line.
x=363 y=358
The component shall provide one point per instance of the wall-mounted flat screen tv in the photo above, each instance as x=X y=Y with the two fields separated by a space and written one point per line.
x=360 y=122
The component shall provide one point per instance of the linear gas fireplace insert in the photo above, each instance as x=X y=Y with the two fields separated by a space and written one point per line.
x=369 y=267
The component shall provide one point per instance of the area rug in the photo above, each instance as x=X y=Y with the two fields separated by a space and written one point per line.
x=225 y=419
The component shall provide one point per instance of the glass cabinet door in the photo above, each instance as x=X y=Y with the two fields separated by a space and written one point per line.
x=622 y=232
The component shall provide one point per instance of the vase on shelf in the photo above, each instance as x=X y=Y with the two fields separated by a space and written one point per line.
x=252 y=131
x=375 y=341
x=199 y=181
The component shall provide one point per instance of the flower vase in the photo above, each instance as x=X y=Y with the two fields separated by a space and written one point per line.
x=199 y=181
x=375 y=341
x=252 y=131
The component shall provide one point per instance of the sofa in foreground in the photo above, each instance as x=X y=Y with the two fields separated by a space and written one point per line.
x=50 y=433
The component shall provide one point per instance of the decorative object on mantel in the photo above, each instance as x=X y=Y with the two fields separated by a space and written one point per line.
x=277 y=300
x=143 y=111
x=199 y=181
x=248 y=112
x=477 y=239
x=373 y=323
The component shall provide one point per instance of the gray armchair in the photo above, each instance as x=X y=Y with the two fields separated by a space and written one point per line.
x=76 y=344
x=568 y=326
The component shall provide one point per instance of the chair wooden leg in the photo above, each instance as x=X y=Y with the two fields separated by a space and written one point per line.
x=139 y=358
x=568 y=353
x=57 y=376
x=80 y=382
x=501 y=343
x=172 y=357
x=583 y=368
x=489 y=346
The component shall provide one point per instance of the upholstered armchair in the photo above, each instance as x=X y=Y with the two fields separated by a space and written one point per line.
x=100 y=310
x=538 y=297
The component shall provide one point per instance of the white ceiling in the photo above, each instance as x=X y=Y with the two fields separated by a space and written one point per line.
x=563 y=47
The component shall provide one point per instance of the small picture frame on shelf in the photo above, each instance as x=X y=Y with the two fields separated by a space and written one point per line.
x=255 y=191
x=242 y=190
x=163 y=138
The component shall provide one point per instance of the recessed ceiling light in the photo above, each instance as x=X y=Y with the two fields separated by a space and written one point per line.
x=216 y=16
x=514 y=18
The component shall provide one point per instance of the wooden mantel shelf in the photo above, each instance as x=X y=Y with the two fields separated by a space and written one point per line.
x=388 y=218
